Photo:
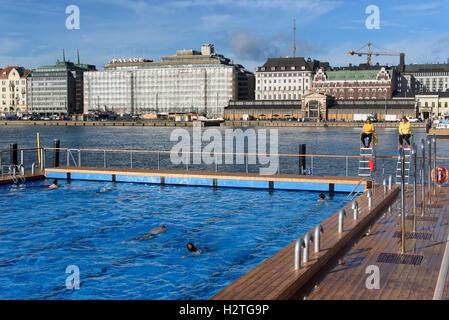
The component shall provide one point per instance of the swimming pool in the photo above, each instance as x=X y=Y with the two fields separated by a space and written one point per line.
x=43 y=231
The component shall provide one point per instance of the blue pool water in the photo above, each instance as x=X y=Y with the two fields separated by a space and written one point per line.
x=43 y=231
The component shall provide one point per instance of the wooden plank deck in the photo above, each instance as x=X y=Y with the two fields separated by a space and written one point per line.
x=347 y=280
x=38 y=174
x=276 y=278
x=214 y=175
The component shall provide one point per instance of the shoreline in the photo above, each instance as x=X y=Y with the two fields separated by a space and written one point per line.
x=227 y=123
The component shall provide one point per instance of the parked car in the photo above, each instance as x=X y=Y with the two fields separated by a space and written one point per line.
x=413 y=119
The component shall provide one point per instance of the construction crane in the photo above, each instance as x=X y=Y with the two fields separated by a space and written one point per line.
x=383 y=52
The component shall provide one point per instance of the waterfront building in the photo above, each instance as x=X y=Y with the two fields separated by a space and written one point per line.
x=355 y=83
x=432 y=105
x=58 y=88
x=429 y=77
x=188 y=82
x=320 y=107
x=13 y=90
x=285 y=78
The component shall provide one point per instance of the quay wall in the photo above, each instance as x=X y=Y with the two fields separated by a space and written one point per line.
x=229 y=123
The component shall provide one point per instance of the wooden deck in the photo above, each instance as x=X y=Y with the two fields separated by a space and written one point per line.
x=347 y=280
x=38 y=174
x=215 y=175
x=276 y=278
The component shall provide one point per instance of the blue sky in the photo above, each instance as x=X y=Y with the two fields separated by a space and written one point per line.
x=247 y=31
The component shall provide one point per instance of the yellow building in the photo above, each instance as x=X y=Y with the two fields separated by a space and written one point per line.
x=13 y=87
x=433 y=105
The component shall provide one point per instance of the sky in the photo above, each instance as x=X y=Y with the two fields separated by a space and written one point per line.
x=34 y=32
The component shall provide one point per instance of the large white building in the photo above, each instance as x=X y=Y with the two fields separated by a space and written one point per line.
x=285 y=78
x=13 y=87
x=190 y=81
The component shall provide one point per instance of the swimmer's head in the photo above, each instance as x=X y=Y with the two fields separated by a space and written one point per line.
x=191 y=247
x=162 y=226
x=55 y=181
x=322 y=196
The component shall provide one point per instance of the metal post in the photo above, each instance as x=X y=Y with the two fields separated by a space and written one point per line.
x=21 y=157
x=341 y=215
x=216 y=163
x=429 y=178
x=385 y=186
x=423 y=177
x=402 y=159
x=298 y=245
x=390 y=182
x=158 y=160
x=415 y=178
x=305 y=252
x=13 y=154
x=302 y=159
x=318 y=230
x=56 y=145
x=383 y=168
x=434 y=140
x=347 y=166
x=68 y=157
x=311 y=163
x=41 y=152
x=369 y=194
x=246 y=162
x=105 y=164
x=355 y=208
x=79 y=158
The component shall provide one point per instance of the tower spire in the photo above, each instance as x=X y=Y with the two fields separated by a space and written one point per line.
x=63 y=55
x=294 y=38
x=77 y=56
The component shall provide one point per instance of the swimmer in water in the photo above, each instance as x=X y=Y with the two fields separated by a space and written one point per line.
x=54 y=185
x=150 y=235
x=192 y=248
x=104 y=189
x=322 y=197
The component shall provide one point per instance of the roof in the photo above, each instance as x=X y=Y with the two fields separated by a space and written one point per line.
x=278 y=63
x=354 y=75
x=4 y=73
x=428 y=67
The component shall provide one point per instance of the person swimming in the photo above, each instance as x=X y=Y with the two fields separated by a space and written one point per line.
x=104 y=189
x=54 y=185
x=150 y=235
x=192 y=248
x=322 y=197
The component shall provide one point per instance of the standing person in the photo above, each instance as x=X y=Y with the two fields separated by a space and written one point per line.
x=404 y=132
x=367 y=132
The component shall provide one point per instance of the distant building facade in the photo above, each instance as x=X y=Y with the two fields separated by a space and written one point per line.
x=57 y=89
x=355 y=84
x=285 y=78
x=432 y=105
x=13 y=84
x=429 y=77
x=190 y=81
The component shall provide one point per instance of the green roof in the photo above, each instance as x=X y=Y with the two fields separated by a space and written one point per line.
x=354 y=75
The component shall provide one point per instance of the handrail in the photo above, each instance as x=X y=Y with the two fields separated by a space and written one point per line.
x=357 y=185
x=230 y=153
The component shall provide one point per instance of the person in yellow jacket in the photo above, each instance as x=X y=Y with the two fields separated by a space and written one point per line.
x=405 y=132
x=367 y=132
